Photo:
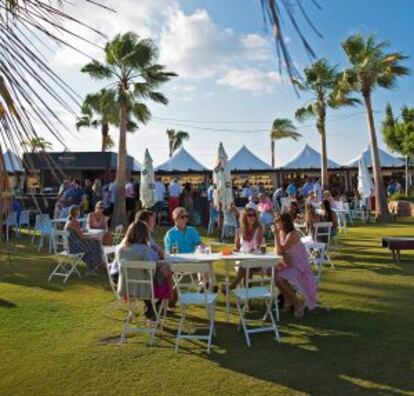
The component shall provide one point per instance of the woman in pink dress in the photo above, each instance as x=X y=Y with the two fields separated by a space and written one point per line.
x=295 y=270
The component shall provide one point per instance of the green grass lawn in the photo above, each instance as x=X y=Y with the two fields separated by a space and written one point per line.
x=62 y=340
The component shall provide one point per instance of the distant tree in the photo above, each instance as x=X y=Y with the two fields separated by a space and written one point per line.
x=399 y=135
x=321 y=82
x=176 y=140
x=371 y=66
x=282 y=128
x=39 y=144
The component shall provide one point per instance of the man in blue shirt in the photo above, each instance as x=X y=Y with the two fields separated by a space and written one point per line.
x=184 y=237
x=291 y=189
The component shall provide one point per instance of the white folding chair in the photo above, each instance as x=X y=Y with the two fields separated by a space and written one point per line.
x=188 y=295
x=141 y=274
x=317 y=254
x=266 y=291
x=67 y=262
x=40 y=219
x=322 y=233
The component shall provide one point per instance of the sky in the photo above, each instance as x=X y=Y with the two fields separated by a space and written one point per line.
x=229 y=88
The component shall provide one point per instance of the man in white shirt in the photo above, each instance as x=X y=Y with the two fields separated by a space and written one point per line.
x=174 y=192
x=160 y=191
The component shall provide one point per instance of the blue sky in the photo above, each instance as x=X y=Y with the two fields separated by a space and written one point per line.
x=229 y=79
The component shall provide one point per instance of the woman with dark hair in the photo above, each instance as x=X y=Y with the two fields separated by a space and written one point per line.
x=80 y=243
x=311 y=217
x=294 y=211
x=248 y=239
x=295 y=270
x=328 y=215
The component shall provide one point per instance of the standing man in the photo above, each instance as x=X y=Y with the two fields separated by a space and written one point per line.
x=130 y=197
x=174 y=192
x=160 y=191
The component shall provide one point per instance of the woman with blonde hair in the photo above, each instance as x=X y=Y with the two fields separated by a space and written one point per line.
x=248 y=239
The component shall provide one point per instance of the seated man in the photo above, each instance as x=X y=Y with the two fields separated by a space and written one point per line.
x=184 y=237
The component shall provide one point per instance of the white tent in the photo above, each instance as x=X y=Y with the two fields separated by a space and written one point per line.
x=386 y=160
x=245 y=160
x=147 y=191
x=308 y=158
x=136 y=166
x=365 y=184
x=13 y=162
x=181 y=161
x=223 y=193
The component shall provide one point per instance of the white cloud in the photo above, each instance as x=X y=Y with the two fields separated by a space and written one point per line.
x=253 y=80
x=256 y=47
x=193 y=46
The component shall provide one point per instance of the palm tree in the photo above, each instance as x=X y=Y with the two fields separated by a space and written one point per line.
x=100 y=110
x=321 y=81
x=39 y=144
x=176 y=140
x=371 y=67
x=130 y=66
x=282 y=128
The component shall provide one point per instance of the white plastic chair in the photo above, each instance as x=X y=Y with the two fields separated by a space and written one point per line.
x=47 y=231
x=40 y=219
x=24 y=219
x=229 y=225
x=188 y=295
x=131 y=279
x=266 y=291
x=9 y=222
x=322 y=233
x=67 y=262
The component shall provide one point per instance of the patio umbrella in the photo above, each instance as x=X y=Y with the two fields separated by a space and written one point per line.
x=365 y=185
x=147 y=191
x=223 y=192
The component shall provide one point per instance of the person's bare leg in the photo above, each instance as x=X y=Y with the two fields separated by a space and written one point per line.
x=287 y=291
x=241 y=273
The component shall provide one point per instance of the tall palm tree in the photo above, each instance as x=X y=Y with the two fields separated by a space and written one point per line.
x=282 y=128
x=371 y=67
x=39 y=144
x=321 y=82
x=130 y=66
x=176 y=140
x=100 y=110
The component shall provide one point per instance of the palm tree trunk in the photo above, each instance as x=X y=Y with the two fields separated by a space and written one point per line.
x=407 y=161
x=324 y=153
x=119 y=215
x=5 y=193
x=170 y=147
x=272 y=149
x=381 y=208
x=105 y=133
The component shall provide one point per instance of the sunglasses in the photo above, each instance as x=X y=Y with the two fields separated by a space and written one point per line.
x=252 y=215
x=183 y=217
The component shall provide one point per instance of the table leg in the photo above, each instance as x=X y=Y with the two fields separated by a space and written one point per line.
x=227 y=284
x=393 y=254
x=398 y=255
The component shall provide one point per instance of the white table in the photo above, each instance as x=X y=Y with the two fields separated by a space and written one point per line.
x=228 y=261
x=64 y=220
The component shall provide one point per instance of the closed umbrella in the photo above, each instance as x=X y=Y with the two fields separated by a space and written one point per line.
x=147 y=191
x=223 y=193
x=365 y=185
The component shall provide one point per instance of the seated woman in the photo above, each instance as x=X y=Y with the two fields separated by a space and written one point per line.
x=98 y=221
x=81 y=243
x=248 y=239
x=311 y=217
x=167 y=287
x=328 y=196
x=136 y=246
x=328 y=215
x=295 y=270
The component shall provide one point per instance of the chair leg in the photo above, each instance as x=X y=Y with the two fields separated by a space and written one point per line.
x=180 y=327
x=211 y=312
x=126 y=326
x=243 y=322
x=269 y=309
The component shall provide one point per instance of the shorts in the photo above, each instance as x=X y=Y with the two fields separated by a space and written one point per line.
x=157 y=208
